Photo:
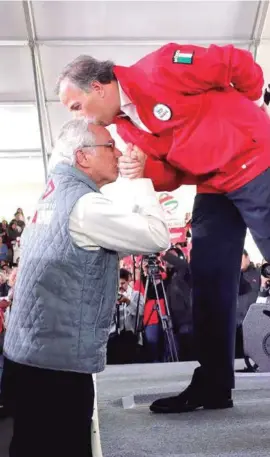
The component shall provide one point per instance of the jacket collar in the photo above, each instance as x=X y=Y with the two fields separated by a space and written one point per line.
x=132 y=90
x=124 y=99
x=65 y=169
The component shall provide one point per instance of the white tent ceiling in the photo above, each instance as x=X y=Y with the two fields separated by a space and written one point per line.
x=38 y=38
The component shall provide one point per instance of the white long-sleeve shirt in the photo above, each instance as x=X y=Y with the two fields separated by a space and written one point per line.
x=130 y=110
x=103 y=220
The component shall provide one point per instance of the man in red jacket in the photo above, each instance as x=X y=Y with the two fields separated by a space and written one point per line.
x=198 y=115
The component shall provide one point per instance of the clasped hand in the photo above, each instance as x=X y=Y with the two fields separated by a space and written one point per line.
x=131 y=165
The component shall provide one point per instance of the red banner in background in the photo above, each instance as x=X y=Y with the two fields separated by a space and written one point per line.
x=178 y=224
x=178 y=234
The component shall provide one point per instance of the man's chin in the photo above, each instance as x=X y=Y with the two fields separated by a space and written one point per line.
x=114 y=178
x=94 y=121
x=101 y=122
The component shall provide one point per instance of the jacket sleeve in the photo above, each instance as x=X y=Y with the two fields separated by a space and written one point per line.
x=196 y=69
x=138 y=229
x=164 y=176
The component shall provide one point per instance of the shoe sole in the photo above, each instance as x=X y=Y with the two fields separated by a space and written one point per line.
x=160 y=410
x=189 y=409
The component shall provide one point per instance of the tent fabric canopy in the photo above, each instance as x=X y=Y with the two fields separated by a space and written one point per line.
x=38 y=38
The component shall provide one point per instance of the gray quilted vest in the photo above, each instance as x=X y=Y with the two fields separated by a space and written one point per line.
x=64 y=295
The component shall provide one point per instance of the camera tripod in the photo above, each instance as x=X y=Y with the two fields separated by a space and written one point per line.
x=165 y=319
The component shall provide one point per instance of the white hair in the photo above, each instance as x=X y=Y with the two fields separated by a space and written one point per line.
x=73 y=135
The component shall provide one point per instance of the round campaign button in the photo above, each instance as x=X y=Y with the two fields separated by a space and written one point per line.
x=162 y=112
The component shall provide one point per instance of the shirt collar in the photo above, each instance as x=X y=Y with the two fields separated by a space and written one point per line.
x=124 y=100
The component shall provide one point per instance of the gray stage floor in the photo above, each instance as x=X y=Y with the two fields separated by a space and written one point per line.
x=243 y=431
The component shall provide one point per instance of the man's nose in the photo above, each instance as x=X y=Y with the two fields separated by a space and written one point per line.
x=117 y=153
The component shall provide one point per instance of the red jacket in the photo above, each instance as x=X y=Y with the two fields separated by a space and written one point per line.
x=208 y=130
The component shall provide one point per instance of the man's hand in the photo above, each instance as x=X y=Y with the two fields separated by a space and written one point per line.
x=123 y=299
x=131 y=165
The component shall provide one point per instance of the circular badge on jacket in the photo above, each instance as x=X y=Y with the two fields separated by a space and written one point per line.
x=162 y=112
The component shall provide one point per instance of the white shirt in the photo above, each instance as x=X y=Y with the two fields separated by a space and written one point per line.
x=130 y=110
x=100 y=220
x=264 y=300
x=129 y=311
x=260 y=101
x=16 y=252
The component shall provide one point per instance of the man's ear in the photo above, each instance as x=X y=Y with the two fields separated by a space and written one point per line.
x=97 y=87
x=82 y=159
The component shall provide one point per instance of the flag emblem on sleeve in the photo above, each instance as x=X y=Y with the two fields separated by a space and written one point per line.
x=183 y=57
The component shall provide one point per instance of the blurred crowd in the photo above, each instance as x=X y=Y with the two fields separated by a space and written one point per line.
x=154 y=292
x=10 y=234
x=159 y=287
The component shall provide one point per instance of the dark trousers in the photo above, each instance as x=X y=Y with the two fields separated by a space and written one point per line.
x=51 y=411
x=218 y=233
x=154 y=343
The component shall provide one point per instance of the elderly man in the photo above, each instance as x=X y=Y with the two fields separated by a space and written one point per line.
x=198 y=114
x=66 y=290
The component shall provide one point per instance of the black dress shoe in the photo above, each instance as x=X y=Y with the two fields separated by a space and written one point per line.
x=183 y=403
x=192 y=398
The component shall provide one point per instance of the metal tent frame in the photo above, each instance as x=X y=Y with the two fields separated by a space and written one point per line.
x=34 y=44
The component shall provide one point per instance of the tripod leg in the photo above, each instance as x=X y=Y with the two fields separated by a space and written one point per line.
x=172 y=346
x=166 y=324
x=168 y=345
x=176 y=359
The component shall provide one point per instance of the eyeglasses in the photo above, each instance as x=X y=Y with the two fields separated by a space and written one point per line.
x=110 y=144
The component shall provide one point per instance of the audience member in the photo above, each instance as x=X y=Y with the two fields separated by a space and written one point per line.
x=3 y=250
x=14 y=231
x=178 y=288
x=153 y=311
x=16 y=251
x=3 y=284
x=5 y=306
x=126 y=321
x=249 y=287
x=4 y=230
x=19 y=219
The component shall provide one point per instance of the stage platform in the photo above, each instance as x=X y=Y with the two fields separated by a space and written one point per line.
x=243 y=431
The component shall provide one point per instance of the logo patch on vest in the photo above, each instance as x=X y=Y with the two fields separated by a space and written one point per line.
x=162 y=112
x=183 y=57
x=49 y=189
x=44 y=211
